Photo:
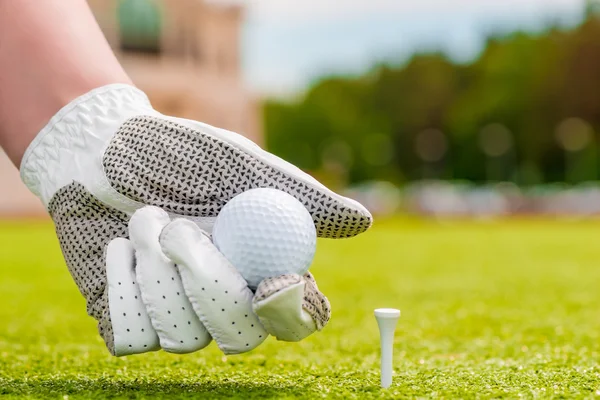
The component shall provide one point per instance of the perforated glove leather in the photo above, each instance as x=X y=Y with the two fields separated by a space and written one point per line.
x=134 y=194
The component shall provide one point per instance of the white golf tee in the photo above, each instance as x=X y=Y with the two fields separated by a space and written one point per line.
x=386 y=320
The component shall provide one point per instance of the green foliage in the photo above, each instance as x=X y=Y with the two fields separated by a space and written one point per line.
x=366 y=128
x=140 y=25
x=489 y=310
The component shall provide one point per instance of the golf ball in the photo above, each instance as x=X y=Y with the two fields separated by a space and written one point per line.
x=265 y=233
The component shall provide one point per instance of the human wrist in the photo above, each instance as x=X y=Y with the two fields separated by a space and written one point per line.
x=73 y=138
x=19 y=126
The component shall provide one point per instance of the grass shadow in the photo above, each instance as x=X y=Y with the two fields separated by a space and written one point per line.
x=137 y=389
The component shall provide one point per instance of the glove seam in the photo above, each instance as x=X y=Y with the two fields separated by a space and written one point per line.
x=64 y=111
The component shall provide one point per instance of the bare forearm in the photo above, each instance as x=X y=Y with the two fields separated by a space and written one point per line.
x=51 y=51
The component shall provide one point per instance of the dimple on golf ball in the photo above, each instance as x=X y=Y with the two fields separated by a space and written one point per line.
x=265 y=233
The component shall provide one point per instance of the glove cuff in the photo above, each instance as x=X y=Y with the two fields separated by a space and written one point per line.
x=72 y=142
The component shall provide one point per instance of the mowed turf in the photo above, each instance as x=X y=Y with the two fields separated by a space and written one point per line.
x=489 y=309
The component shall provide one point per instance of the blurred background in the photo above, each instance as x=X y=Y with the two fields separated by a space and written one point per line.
x=440 y=108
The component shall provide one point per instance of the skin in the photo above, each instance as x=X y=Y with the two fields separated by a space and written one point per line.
x=51 y=52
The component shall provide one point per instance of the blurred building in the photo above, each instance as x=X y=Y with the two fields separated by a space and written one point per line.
x=185 y=54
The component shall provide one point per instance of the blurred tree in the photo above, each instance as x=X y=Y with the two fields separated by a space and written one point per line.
x=381 y=126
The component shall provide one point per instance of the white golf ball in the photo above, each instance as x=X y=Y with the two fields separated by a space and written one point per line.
x=265 y=233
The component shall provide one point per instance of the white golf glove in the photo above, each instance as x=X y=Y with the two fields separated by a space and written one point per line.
x=134 y=194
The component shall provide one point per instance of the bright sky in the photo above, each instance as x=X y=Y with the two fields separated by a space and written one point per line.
x=289 y=43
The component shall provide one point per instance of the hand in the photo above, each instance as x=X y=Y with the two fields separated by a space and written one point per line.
x=108 y=154
x=192 y=293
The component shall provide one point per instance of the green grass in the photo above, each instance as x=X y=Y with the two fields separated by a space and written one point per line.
x=489 y=309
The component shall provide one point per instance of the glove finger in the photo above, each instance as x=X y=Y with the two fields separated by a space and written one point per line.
x=132 y=330
x=291 y=307
x=218 y=293
x=203 y=167
x=172 y=315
